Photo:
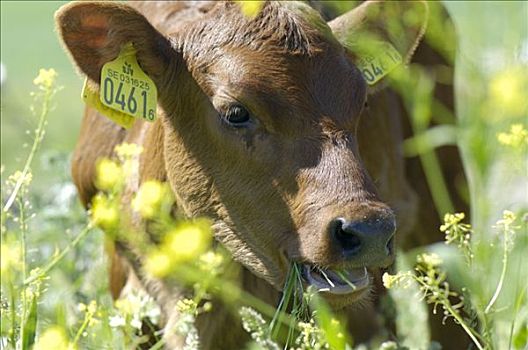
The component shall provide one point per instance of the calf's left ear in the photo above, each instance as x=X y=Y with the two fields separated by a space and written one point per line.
x=95 y=32
x=379 y=33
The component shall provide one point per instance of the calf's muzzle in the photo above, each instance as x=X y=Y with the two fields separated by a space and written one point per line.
x=367 y=241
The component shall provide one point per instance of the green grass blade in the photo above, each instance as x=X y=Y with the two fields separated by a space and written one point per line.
x=287 y=294
x=347 y=281
x=30 y=325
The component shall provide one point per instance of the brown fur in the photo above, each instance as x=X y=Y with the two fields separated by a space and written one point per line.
x=272 y=188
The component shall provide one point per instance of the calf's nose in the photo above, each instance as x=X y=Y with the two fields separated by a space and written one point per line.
x=367 y=242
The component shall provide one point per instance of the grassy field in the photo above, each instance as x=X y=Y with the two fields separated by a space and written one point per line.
x=54 y=279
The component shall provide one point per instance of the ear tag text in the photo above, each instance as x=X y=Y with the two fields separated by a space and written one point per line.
x=126 y=88
x=378 y=61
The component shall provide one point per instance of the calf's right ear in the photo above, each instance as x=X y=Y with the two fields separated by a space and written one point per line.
x=95 y=32
x=379 y=35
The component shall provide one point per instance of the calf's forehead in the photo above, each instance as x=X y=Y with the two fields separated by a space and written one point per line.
x=284 y=65
x=285 y=91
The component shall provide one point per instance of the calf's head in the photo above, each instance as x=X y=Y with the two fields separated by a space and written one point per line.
x=259 y=118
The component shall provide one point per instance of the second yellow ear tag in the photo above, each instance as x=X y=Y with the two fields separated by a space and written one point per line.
x=378 y=61
x=126 y=88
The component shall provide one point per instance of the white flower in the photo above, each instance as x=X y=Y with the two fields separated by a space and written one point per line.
x=153 y=313
x=117 y=321
x=135 y=323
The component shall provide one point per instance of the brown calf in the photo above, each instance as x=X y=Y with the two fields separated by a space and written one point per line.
x=257 y=131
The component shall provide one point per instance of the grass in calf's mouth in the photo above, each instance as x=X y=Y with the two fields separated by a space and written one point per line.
x=335 y=281
x=293 y=294
x=297 y=302
x=341 y=275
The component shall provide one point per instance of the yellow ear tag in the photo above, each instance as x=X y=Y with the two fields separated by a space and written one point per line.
x=126 y=88
x=90 y=96
x=378 y=61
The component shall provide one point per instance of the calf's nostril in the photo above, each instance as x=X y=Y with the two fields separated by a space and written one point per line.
x=349 y=241
x=371 y=239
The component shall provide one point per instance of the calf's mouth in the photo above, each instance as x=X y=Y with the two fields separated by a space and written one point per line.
x=337 y=282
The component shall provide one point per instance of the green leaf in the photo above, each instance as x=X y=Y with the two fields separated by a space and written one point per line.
x=520 y=339
x=334 y=330
x=30 y=325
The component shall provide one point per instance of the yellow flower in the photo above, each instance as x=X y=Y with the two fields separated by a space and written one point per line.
x=507 y=89
x=508 y=218
x=187 y=306
x=148 y=199
x=187 y=242
x=251 y=8
x=125 y=306
x=451 y=220
x=109 y=175
x=389 y=281
x=517 y=137
x=158 y=263
x=401 y=279
x=128 y=150
x=25 y=179
x=128 y=154
x=507 y=228
x=92 y=307
x=104 y=213
x=430 y=260
x=10 y=258
x=54 y=338
x=184 y=243
x=211 y=261
x=45 y=78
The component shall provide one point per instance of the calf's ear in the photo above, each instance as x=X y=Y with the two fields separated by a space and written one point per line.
x=367 y=31
x=95 y=32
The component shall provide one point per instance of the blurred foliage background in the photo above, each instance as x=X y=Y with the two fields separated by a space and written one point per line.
x=28 y=43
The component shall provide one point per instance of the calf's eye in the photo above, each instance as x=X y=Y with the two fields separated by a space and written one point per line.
x=237 y=116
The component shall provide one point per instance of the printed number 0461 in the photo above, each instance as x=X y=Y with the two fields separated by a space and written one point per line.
x=119 y=98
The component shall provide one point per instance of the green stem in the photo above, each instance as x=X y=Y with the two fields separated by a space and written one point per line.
x=501 y=280
x=159 y=345
x=59 y=257
x=447 y=304
x=39 y=133
x=13 y=314
x=519 y=303
x=464 y=325
x=82 y=328
x=435 y=179
x=483 y=325
x=419 y=108
x=23 y=231
x=22 y=220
